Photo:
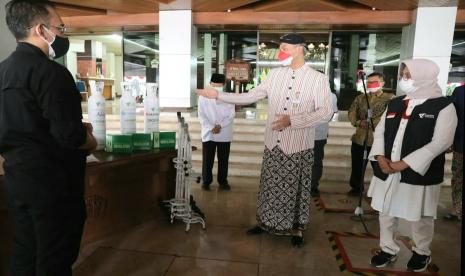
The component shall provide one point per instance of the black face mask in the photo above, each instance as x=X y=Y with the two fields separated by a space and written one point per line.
x=61 y=46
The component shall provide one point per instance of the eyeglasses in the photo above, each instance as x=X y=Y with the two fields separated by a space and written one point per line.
x=61 y=28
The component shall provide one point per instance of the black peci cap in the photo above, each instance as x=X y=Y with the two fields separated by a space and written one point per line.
x=217 y=78
x=292 y=38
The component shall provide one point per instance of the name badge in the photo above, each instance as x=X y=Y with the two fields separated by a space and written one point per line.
x=391 y=115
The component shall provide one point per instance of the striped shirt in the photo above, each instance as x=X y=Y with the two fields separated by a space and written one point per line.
x=303 y=94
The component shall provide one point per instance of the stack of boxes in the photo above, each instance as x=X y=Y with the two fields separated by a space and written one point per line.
x=128 y=143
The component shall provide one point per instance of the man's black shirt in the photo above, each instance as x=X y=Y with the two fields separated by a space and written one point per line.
x=40 y=128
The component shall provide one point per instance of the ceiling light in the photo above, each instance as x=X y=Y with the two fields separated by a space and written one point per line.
x=373 y=8
x=229 y=10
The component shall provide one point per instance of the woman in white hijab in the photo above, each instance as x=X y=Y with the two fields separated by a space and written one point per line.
x=409 y=146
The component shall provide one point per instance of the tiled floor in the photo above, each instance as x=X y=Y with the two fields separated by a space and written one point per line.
x=161 y=248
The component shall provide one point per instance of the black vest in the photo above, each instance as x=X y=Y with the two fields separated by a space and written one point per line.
x=418 y=132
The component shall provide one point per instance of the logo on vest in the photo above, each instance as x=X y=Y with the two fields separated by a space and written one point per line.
x=427 y=116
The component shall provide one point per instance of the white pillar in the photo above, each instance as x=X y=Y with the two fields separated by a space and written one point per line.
x=370 y=54
x=222 y=48
x=430 y=36
x=207 y=58
x=178 y=62
x=8 y=41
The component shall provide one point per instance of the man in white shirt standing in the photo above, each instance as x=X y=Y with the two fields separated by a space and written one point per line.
x=321 y=136
x=216 y=119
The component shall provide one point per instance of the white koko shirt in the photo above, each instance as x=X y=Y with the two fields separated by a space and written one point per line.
x=212 y=112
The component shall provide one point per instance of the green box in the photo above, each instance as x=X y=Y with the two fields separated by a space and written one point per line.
x=119 y=143
x=142 y=141
x=164 y=140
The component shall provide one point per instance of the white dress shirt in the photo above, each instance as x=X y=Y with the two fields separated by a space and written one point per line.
x=213 y=112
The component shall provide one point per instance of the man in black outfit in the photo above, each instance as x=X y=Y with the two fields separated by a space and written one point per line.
x=44 y=143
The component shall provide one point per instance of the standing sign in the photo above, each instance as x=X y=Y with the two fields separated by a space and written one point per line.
x=238 y=71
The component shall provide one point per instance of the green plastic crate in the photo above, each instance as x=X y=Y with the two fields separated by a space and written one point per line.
x=164 y=140
x=142 y=141
x=119 y=143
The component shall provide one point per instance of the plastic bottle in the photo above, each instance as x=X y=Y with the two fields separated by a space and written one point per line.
x=151 y=109
x=127 y=109
x=96 y=111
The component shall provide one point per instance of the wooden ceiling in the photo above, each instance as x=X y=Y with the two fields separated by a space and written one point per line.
x=92 y=7
x=102 y=16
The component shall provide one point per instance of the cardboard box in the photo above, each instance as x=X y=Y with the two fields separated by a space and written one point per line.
x=164 y=140
x=119 y=143
x=142 y=141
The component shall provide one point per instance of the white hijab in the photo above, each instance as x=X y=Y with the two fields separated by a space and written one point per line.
x=425 y=73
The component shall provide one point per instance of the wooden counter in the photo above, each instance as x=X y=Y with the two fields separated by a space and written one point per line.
x=107 y=86
x=122 y=190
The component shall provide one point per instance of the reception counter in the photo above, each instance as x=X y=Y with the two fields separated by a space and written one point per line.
x=122 y=190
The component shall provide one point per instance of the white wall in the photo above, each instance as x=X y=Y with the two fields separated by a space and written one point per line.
x=110 y=73
x=71 y=63
x=118 y=73
x=75 y=46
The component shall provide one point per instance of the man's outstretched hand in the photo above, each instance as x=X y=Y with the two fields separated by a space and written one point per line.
x=208 y=92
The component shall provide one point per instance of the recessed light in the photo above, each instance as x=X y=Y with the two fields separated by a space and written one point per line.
x=373 y=9
x=228 y=10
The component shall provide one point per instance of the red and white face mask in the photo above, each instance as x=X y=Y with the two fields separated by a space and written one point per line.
x=374 y=87
x=284 y=58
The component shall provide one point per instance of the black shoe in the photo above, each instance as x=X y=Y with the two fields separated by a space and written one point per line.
x=381 y=259
x=353 y=192
x=314 y=193
x=225 y=187
x=418 y=263
x=206 y=187
x=257 y=230
x=297 y=241
x=452 y=217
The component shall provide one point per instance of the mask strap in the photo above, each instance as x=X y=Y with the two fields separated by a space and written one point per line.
x=51 y=34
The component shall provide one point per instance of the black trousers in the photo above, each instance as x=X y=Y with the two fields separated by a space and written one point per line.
x=317 y=169
x=357 y=165
x=208 y=158
x=46 y=239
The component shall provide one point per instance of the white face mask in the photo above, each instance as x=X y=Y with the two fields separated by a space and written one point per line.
x=407 y=86
x=374 y=89
x=286 y=62
x=51 y=52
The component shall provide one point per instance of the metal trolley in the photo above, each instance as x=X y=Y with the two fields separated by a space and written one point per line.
x=183 y=206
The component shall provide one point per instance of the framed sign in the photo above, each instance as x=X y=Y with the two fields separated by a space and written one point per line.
x=238 y=71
